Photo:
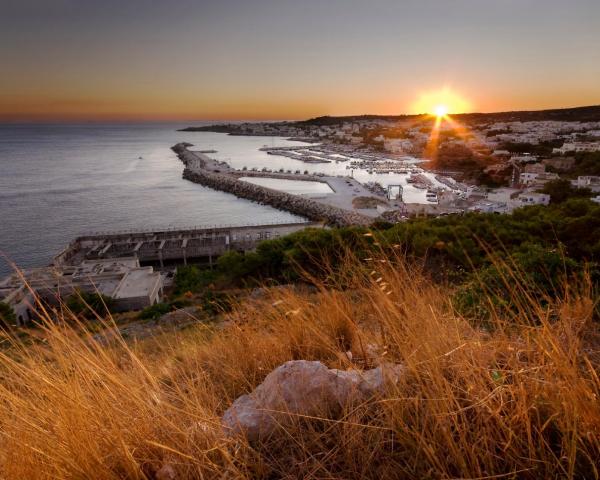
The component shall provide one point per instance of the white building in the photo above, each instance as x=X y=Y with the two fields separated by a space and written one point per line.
x=588 y=181
x=501 y=153
x=503 y=195
x=532 y=198
x=485 y=206
x=578 y=147
x=532 y=179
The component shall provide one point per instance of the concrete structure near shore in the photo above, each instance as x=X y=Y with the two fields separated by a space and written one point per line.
x=120 y=265
x=130 y=286
x=162 y=247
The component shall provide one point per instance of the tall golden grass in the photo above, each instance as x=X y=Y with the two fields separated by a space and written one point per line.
x=518 y=401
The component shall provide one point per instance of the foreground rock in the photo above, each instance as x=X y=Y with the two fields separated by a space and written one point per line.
x=304 y=388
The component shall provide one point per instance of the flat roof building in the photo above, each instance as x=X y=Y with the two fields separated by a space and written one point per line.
x=130 y=286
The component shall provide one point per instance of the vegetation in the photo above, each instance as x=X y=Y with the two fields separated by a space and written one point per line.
x=542 y=273
x=155 y=311
x=449 y=247
x=578 y=114
x=518 y=400
x=190 y=278
x=215 y=303
x=89 y=305
x=586 y=163
x=7 y=315
x=501 y=358
x=561 y=189
x=543 y=149
x=456 y=156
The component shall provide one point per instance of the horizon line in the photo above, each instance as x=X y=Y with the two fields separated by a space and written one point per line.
x=117 y=119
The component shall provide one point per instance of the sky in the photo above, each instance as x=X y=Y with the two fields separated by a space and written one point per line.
x=89 y=60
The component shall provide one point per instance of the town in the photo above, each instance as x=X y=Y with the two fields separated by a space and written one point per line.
x=490 y=163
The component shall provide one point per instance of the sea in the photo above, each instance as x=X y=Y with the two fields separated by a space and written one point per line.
x=59 y=181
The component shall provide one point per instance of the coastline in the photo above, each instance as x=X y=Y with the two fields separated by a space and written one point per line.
x=202 y=170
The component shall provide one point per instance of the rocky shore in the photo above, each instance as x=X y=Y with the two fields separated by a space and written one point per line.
x=196 y=171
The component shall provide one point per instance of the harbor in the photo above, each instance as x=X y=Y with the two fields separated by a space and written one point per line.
x=335 y=209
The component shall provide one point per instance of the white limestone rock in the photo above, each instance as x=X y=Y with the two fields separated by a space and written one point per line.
x=302 y=387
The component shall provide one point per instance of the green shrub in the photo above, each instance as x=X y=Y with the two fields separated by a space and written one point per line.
x=509 y=286
x=561 y=190
x=449 y=247
x=214 y=303
x=180 y=303
x=155 y=311
x=190 y=278
x=89 y=305
x=7 y=315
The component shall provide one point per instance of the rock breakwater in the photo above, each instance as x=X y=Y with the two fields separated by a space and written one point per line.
x=197 y=170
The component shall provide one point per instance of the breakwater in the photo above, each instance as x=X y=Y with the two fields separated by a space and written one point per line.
x=198 y=170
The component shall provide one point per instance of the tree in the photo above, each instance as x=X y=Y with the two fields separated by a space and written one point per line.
x=561 y=190
x=587 y=163
x=89 y=305
x=190 y=278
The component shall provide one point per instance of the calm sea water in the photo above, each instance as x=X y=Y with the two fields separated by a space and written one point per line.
x=59 y=181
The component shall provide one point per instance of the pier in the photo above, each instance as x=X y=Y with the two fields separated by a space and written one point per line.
x=335 y=209
x=173 y=246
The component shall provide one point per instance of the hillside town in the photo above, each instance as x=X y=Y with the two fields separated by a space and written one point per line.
x=487 y=165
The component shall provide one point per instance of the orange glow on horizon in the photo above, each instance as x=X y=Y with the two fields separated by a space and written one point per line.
x=441 y=102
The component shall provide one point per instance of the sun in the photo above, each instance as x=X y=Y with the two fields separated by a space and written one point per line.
x=441 y=110
x=440 y=103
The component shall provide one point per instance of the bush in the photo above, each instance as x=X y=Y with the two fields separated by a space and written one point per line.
x=506 y=286
x=214 y=303
x=180 y=303
x=561 y=190
x=155 y=311
x=7 y=315
x=235 y=265
x=190 y=278
x=89 y=305
x=513 y=403
x=587 y=163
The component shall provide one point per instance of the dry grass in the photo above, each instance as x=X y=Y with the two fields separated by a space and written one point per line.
x=520 y=402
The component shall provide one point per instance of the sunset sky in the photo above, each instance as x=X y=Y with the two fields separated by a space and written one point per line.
x=285 y=59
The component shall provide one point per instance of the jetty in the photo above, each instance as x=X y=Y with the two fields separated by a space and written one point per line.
x=335 y=209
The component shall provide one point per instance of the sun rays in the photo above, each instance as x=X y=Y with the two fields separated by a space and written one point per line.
x=441 y=102
x=438 y=106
